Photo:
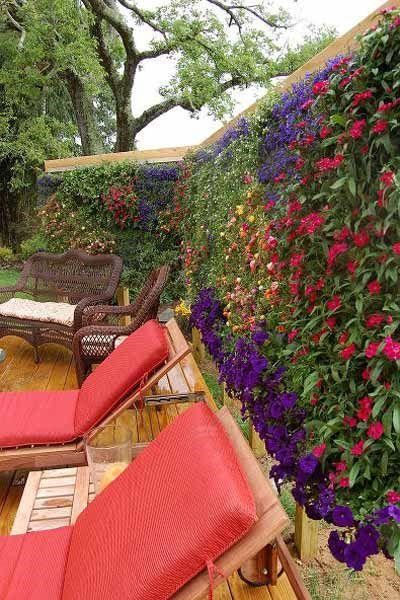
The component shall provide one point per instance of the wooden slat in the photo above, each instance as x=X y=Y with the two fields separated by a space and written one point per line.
x=77 y=162
x=26 y=504
x=48 y=524
x=55 y=492
x=241 y=591
x=10 y=506
x=81 y=494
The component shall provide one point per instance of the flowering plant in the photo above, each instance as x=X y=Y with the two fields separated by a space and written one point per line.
x=330 y=259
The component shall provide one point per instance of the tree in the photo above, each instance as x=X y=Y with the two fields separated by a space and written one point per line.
x=93 y=48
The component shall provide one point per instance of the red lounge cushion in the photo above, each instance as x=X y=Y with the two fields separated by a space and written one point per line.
x=32 y=566
x=182 y=502
x=37 y=417
x=141 y=353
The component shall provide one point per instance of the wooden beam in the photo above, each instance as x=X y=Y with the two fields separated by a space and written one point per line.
x=341 y=45
x=76 y=162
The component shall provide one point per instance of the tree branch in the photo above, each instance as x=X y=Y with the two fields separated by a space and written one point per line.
x=230 y=10
x=18 y=27
x=105 y=11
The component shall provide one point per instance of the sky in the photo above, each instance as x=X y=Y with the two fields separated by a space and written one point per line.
x=177 y=127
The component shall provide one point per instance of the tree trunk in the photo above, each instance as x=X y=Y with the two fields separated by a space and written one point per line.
x=84 y=114
x=126 y=133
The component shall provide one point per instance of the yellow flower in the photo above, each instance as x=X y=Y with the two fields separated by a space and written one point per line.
x=239 y=209
x=182 y=309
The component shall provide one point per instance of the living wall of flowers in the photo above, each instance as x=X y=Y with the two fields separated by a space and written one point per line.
x=114 y=208
x=291 y=252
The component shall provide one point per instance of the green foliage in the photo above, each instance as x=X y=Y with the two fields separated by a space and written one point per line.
x=6 y=256
x=34 y=244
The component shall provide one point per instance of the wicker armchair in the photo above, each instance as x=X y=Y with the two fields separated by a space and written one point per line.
x=57 y=289
x=102 y=329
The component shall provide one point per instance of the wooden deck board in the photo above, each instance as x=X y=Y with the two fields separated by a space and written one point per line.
x=53 y=503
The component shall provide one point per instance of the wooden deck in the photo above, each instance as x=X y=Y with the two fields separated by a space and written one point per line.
x=56 y=371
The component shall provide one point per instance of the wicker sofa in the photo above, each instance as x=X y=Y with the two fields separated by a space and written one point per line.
x=102 y=329
x=56 y=291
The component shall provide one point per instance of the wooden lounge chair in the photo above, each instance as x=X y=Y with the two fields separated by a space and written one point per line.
x=60 y=288
x=47 y=429
x=189 y=511
x=102 y=329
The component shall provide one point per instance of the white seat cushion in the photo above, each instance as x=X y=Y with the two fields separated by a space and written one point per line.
x=119 y=340
x=50 y=312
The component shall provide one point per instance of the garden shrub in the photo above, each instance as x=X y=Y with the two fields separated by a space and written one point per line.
x=7 y=256
x=36 y=243
x=117 y=208
x=299 y=301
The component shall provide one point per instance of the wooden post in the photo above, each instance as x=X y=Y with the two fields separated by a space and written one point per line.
x=305 y=535
x=198 y=348
x=123 y=300
x=256 y=443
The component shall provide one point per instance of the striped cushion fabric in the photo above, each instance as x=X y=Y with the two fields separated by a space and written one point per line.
x=32 y=566
x=180 y=505
x=141 y=353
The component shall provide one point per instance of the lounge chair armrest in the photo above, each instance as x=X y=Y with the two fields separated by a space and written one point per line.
x=105 y=314
x=7 y=292
x=83 y=306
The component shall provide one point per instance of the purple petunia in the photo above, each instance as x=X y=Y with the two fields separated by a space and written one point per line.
x=342 y=516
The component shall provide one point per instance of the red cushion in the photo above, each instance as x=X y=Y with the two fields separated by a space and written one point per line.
x=32 y=566
x=182 y=502
x=37 y=417
x=141 y=353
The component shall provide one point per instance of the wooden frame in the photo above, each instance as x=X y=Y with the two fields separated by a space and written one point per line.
x=57 y=455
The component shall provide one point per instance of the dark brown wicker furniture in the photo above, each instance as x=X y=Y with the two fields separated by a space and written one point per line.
x=74 y=278
x=102 y=324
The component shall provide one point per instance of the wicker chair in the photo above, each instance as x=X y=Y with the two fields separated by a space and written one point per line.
x=74 y=280
x=102 y=329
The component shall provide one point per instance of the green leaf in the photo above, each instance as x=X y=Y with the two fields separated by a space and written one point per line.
x=354 y=471
x=310 y=381
x=396 y=418
x=352 y=186
x=338 y=183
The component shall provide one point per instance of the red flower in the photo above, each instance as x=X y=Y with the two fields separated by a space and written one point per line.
x=344 y=482
x=327 y=164
x=307 y=104
x=343 y=337
x=335 y=250
x=387 y=178
x=374 y=287
x=358 y=448
x=365 y=410
x=380 y=126
x=331 y=322
x=372 y=349
x=321 y=87
x=318 y=451
x=361 y=239
x=360 y=98
x=374 y=320
x=352 y=266
x=325 y=132
x=334 y=303
x=350 y=421
x=357 y=129
x=391 y=349
x=293 y=334
x=366 y=374
x=396 y=248
x=375 y=430
x=393 y=497
x=348 y=352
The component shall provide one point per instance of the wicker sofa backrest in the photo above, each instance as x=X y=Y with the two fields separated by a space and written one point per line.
x=71 y=276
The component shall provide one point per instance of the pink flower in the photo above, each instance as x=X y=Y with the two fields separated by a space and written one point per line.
x=374 y=287
x=391 y=349
x=374 y=320
x=321 y=87
x=358 y=448
x=348 y=352
x=293 y=334
x=372 y=349
x=296 y=259
x=375 y=430
x=325 y=132
x=360 y=98
x=331 y=322
x=334 y=303
x=327 y=164
x=335 y=250
x=343 y=337
x=307 y=104
x=380 y=126
x=393 y=497
x=357 y=129
x=361 y=239
x=365 y=410
x=344 y=482
x=350 y=421
x=318 y=451
x=387 y=178
x=396 y=248
x=352 y=266
x=310 y=223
